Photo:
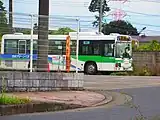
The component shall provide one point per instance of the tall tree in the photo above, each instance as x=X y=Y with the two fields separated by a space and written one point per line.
x=42 y=62
x=3 y=20
x=95 y=7
x=121 y=27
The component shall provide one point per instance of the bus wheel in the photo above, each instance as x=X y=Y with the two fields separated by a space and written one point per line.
x=91 y=68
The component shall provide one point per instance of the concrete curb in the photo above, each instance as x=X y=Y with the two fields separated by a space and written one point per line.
x=117 y=99
x=36 y=107
x=108 y=94
x=108 y=97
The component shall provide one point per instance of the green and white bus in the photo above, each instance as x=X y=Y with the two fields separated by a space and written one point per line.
x=96 y=52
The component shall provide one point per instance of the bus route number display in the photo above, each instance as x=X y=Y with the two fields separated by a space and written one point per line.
x=123 y=38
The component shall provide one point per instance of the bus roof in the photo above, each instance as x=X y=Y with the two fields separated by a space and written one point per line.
x=61 y=37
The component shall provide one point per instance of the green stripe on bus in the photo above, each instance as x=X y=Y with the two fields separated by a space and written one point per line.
x=98 y=59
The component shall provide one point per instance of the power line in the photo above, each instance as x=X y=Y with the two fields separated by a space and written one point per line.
x=153 y=1
x=77 y=2
x=71 y=19
x=134 y=22
x=69 y=24
x=82 y=5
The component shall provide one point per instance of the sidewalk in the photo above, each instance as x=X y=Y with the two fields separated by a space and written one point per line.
x=85 y=98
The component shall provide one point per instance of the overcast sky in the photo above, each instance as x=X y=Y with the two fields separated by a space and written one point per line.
x=141 y=13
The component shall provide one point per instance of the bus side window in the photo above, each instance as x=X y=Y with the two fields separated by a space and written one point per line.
x=10 y=47
x=86 y=50
x=22 y=47
x=108 y=49
x=85 y=47
x=96 y=48
x=35 y=46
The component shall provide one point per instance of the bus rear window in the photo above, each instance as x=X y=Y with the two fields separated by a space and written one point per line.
x=10 y=47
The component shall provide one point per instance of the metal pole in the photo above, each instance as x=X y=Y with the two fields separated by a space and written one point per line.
x=100 y=16
x=77 y=48
x=31 y=46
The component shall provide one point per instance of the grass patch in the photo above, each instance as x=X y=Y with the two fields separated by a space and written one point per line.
x=11 y=100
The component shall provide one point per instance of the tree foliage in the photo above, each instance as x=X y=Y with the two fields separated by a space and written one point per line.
x=3 y=20
x=61 y=31
x=120 y=26
x=154 y=45
x=95 y=7
x=22 y=30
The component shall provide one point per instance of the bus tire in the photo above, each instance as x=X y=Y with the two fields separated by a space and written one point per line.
x=90 y=68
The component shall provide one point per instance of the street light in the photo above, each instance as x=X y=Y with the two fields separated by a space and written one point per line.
x=142 y=30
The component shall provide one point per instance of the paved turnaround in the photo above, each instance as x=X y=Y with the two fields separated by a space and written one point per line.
x=85 y=98
x=147 y=97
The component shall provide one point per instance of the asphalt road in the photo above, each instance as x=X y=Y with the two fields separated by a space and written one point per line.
x=144 y=90
x=120 y=82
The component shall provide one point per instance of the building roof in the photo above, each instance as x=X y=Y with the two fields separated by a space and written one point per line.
x=146 y=38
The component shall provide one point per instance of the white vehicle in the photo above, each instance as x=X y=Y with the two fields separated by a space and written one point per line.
x=97 y=52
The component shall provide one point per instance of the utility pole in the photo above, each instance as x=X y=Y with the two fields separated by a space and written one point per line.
x=10 y=16
x=100 y=15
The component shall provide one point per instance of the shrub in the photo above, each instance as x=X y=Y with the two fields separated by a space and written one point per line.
x=10 y=100
x=154 y=45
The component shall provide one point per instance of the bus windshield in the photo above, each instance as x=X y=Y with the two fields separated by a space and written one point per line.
x=123 y=50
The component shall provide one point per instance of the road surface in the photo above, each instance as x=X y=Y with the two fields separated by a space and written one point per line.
x=144 y=90
x=120 y=82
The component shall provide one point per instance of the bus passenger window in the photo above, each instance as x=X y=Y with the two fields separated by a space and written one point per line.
x=10 y=47
x=108 y=50
x=22 y=47
x=86 y=50
x=96 y=49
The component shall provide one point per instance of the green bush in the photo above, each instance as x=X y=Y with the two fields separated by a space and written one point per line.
x=10 y=100
x=154 y=45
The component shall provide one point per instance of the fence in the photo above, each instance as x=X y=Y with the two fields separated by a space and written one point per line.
x=151 y=60
x=36 y=41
